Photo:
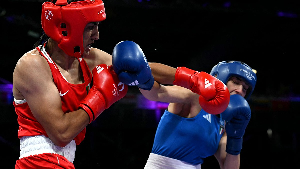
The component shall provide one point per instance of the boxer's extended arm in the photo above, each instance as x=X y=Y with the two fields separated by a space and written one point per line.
x=214 y=97
x=169 y=94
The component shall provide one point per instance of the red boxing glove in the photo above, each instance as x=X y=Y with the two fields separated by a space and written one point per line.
x=214 y=95
x=106 y=90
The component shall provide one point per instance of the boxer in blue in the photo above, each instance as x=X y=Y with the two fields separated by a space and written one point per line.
x=190 y=129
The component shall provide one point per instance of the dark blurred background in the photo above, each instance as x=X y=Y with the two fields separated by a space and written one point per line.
x=191 y=33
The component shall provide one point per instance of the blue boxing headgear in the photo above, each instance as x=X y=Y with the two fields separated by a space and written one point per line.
x=225 y=69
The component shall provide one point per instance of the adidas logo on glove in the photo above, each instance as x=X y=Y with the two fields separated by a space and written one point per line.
x=135 y=83
x=207 y=83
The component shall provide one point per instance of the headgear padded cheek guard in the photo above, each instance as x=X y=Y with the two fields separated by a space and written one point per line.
x=224 y=70
x=65 y=23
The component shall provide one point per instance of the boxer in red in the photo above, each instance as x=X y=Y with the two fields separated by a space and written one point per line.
x=53 y=96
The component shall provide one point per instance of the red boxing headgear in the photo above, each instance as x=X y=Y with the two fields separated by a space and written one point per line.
x=65 y=22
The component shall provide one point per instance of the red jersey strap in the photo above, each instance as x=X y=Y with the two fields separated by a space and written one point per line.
x=87 y=75
x=71 y=94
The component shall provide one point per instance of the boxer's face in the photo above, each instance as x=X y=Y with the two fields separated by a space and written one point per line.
x=237 y=85
x=90 y=34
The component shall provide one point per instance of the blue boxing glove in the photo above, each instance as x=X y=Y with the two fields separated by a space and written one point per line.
x=237 y=116
x=131 y=66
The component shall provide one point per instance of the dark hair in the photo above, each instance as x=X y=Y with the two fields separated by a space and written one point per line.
x=41 y=41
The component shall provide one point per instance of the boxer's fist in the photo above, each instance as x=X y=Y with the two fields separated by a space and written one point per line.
x=131 y=66
x=214 y=95
x=106 y=90
x=237 y=116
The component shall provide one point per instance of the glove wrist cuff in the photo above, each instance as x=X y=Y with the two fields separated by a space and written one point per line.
x=183 y=76
x=148 y=84
x=93 y=104
x=234 y=145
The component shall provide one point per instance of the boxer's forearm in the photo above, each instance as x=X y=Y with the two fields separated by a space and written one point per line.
x=163 y=74
x=232 y=161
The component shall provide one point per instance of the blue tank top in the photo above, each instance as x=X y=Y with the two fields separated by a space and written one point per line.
x=188 y=139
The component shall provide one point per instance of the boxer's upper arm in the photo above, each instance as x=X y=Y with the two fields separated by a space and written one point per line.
x=97 y=57
x=33 y=79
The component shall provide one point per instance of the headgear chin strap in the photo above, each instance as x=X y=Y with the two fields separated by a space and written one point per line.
x=224 y=70
x=65 y=22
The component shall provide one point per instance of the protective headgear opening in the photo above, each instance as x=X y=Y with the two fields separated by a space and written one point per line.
x=226 y=69
x=65 y=23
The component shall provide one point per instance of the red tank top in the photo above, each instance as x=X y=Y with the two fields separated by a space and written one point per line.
x=71 y=95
